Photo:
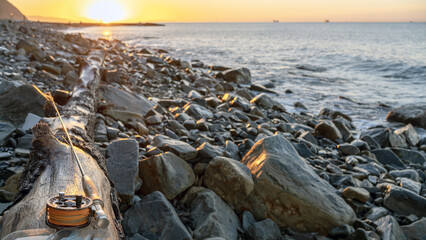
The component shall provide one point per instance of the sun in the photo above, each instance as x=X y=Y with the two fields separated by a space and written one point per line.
x=106 y=11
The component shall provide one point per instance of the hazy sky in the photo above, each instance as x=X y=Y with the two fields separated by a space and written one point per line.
x=230 y=10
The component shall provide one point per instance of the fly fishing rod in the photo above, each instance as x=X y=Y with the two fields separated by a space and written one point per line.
x=74 y=210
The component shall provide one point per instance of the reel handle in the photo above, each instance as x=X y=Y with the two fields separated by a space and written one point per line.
x=91 y=191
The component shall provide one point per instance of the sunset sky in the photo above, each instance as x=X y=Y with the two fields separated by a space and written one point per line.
x=226 y=10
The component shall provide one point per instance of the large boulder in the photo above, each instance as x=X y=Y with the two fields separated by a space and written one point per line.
x=166 y=173
x=212 y=216
x=181 y=149
x=404 y=202
x=288 y=191
x=410 y=113
x=155 y=215
x=17 y=102
x=238 y=76
x=122 y=165
x=230 y=179
x=125 y=101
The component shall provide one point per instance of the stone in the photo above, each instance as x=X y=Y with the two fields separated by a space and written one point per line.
x=308 y=137
x=6 y=130
x=154 y=215
x=230 y=179
x=263 y=230
x=51 y=69
x=22 y=152
x=389 y=229
x=410 y=185
x=405 y=202
x=212 y=216
x=10 y=188
x=112 y=76
x=66 y=67
x=26 y=141
x=247 y=220
x=303 y=150
x=61 y=97
x=16 y=103
x=100 y=131
x=207 y=152
x=397 y=141
x=122 y=165
x=153 y=120
x=125 y=101
x=232 y=150
x=166 y=173
x=344 y=130
x=328 y=130
x=410 y=134
x=112 y=133
x=30 y=121
x=196 y=111
x=5 y=155
x=415 y=230
x=265 y=101
x=70 y=79
x=387 y=157
x=410 y=113
x=181 y=149
x=357 y=193
x=377 y=212
x=238 y=76
x=408 y=173
x=348 y=149
x=342 y=231
x=361 y=145
x=410 y=156
x=379 y=135
x=28 y=46
x=288 y=191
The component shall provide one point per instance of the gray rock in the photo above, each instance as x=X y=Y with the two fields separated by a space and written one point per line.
x=28 y=46
x=409 y=133
x=371 y=142
x=397 y=141
x=207 y=152
x=154 y=214
x=344 y=130
x=357 y=193
x=308 y=137
x=267 y=102
x=377 y=212
x=328 y=129
x=348 y=149
x=387 y=157
x=230 y=179
x=51 y=69
x=5 y=155
x=166 y=173
x=405 y=202
x=416 y=230
x=416 y=115
x=232 y=150
x=181 y=149
x=410 y=156
x=122 y=165
x=112 y=133
x=410 y=185
x=342 y=231
x=6 y=130
x=26 y=141
x=389 y=229
x=360 y=144
x=379 y=135
x=70 y=79
x=212 y=216
x=303 y=150
x=30 y=121
x=196 y=111
x=112 y=76
x=408 y=173
x=263 y=230
x=247 y=220
x=238 y=76
x=289 y=192
x=100 y=131
x=16 y=103
x=124 y=100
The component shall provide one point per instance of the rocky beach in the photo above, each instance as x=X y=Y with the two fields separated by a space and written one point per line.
x=200 y=152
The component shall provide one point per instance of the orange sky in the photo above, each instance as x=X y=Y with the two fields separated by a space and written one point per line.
x=233 y=10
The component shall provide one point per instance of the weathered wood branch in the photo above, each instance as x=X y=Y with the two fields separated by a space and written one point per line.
x=51 y=168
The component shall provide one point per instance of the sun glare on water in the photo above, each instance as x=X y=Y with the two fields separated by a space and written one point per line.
x=106 y=11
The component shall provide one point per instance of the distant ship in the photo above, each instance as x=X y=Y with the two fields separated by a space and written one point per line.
x=326 y=20
x=275 y=21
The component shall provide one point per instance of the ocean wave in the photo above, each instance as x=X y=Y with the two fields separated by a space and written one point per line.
x=311 y=68
x=416 y=72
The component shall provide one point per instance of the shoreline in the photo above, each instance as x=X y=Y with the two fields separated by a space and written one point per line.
x=199 y=131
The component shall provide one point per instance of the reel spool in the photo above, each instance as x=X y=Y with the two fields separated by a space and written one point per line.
x=68 y=211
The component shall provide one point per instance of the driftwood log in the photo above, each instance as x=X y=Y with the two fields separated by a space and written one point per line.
x=51 y=168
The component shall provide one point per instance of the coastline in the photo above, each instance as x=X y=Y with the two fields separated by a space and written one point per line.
x=208 y=117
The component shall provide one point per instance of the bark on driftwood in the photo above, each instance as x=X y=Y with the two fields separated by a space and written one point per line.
x=52 y=169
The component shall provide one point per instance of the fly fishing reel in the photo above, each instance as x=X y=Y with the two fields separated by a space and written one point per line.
x=68 y=211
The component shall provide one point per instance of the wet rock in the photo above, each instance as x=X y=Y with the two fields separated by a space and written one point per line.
x=410 y=156
x=196 y=111
x=230 y=179
x=371 y=142
x=380 y=135
x=361 y=145
x=357 y=193
x=289 y=192
x=409 y=133
x=16 y=103
x=181 y=149
x=377 y=212
x=212 y=216
x=342 y=231
x=51 y=69
x=100 y=131
x=415 y=230
x=232 y=150
x=263 y=230
x=328 y=129
x=410 y=185
x=122 y=165
x=388 y=158
x=405 y=202
x=125 y=101
x=6 y=130
x=237 y=75
x=260 y=88
x=166 y=173
x=303 y=150
x=247 y=220
x=348 y=149
x=112 y=133
x=407 y=173
x=415 y=115
x=265 y=101
x=207 y=152
x=397 y=141
x=344 y=130
x=389 y=229
x=155 y=215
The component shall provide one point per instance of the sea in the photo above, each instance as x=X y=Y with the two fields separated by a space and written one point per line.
x=360 y=69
